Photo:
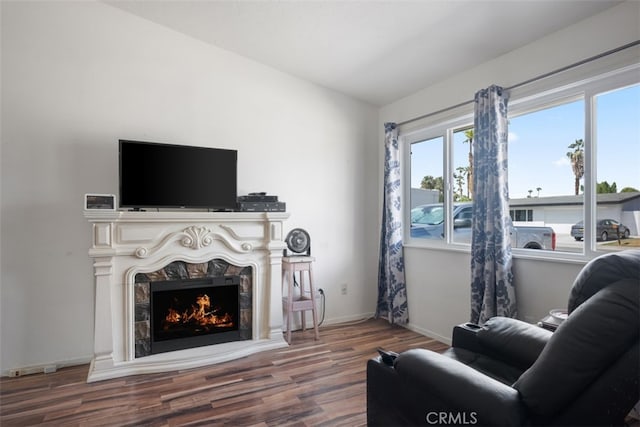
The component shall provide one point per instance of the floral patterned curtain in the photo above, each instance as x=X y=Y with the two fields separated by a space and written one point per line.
x=492 y=291
x=392 y=291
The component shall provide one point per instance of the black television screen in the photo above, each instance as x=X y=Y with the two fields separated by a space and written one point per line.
x=154 y=175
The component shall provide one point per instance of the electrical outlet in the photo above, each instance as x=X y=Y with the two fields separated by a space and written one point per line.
x=14 y=373
x=343 y=289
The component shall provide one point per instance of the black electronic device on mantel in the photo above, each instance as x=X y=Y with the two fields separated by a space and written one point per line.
x=154 y=175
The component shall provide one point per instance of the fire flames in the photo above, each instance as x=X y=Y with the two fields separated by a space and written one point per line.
x=199 y=314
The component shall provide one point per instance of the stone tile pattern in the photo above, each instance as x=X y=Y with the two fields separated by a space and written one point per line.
x=183 y=270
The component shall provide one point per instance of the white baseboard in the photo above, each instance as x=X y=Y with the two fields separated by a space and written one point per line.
x=46 y=368
x=351 y=318
x=429 y=333
x=366 y=316
x=327 y=322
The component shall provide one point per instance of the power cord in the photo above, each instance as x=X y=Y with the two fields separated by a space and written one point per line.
x=296 y=284
x=323 y=305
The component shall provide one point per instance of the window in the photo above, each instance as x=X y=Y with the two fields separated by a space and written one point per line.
x=574 y=152
x=521 y=215
x=617 y=147
x=427 y=189
x=546 y=165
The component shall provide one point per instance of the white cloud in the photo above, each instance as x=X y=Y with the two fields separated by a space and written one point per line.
x=512 y=137
x=562 y=161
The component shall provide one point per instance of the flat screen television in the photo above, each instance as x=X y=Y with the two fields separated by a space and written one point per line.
x=154 y=175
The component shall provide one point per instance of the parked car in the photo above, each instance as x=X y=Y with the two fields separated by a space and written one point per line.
x=427 y=221
x=605 y=229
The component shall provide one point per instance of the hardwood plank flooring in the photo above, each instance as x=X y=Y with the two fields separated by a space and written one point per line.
x=310 y=383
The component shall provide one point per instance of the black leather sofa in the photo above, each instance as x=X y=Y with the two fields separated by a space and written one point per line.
x=511 y=373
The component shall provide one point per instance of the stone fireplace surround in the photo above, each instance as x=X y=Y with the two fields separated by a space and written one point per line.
x=126 y=244
x=178 y=271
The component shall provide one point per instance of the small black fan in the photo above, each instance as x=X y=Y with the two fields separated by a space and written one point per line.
x=298 y=242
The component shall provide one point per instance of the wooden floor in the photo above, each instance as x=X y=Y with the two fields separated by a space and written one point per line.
x=311 y=383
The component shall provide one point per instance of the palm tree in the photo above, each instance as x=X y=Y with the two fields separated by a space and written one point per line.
x=577 y=162
x=469 y=135
x=433 y=183
x=538 y=189
x=459 y=178
x=605 y=187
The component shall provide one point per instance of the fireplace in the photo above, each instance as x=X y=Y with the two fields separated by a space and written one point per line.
x=230 y=256
x=188 y=305
x=194 y=313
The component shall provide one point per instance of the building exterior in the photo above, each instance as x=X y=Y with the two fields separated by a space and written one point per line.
x=561 y=212
x=421 y=196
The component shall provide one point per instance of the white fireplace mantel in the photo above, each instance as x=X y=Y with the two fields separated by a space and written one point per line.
x=127 y=243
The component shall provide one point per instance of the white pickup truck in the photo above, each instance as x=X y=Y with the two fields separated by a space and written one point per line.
x=427 y=222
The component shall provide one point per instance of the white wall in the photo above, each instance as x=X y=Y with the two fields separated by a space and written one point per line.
x=436 y=279
x=77 y=76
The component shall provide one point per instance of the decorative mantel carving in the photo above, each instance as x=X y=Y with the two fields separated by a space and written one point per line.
x=195 y=237
x=127 y=243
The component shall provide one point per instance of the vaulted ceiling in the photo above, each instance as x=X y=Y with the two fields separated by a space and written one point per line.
x=376 y=51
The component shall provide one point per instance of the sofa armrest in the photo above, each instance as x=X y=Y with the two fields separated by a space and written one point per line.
x=466 y=336
x=512 y=341
x=387 y=401
x=460 y=389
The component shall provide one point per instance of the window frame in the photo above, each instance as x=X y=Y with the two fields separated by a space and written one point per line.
x=445 y=130
x=530 y=98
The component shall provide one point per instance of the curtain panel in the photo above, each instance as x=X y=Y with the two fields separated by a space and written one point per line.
x=492 y=290
x=392 y=291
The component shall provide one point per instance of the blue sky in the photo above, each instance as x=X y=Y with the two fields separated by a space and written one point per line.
x=538 y=143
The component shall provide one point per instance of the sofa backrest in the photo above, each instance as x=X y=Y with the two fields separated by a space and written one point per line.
x=595 y=336
x=601 y=272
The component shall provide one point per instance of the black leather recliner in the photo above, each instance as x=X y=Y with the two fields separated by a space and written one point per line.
x=510 y=373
